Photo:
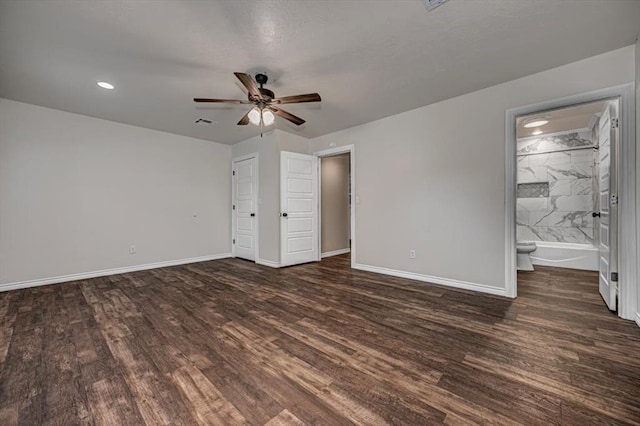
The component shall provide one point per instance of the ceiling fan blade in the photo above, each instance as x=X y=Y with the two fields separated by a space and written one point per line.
x=249 y=83
x=308 y=97
x=221 y=101
x=286 y=115
x=244 y=120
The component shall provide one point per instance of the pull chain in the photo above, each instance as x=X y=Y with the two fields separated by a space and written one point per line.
x=261 y=123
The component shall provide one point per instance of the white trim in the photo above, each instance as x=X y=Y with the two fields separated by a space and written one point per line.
x=510 y=270
x=351 y=149
x=105 y=272
x=627 y=207
x=335 y=252
x=256 y=236
x=269 y=263
x=638 y=318
x=627 y=189
x=497 y=291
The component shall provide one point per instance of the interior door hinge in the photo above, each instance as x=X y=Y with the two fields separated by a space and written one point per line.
x=233 y=173
x=614 y=276
x=234 y=241
x=614 y=123
x=234 y=207
x=614 y=200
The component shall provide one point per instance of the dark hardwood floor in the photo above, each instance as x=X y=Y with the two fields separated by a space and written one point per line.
x=229 y=342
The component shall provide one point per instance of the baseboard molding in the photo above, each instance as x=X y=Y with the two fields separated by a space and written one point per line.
x=105 y=272
x=638 y=318
x=335 y=253
x=497 y=291
x=269 y=263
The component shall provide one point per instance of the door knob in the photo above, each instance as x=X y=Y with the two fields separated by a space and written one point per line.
x=595 y=214
x=284 y=215
x=253 y=214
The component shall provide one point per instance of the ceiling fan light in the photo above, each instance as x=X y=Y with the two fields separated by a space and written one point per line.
x=254 y=116
x=267 y=117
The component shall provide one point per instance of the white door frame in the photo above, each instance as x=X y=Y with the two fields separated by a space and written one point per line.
x=352 y=211
x=235 y=160
x=627 y=250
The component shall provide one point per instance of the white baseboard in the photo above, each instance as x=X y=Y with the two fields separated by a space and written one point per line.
x=269 y=263
x=105 y=272
x=335 y=253
x=498 y=291
x=638 y=318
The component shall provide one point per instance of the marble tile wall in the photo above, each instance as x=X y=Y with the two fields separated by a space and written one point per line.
x=564 y=215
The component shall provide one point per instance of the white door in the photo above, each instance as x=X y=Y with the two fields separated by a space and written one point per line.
x=298 y=208
x=244 y=208
x=607 y=225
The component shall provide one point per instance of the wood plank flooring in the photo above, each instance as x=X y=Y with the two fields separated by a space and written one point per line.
x=229 y=342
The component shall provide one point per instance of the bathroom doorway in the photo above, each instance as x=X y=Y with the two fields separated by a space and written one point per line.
x=570 y=164
x=337 y=215
x=565 y=164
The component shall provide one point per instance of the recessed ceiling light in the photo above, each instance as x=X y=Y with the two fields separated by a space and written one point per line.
x=536 y=132
x=106 y=85
x=536 y=123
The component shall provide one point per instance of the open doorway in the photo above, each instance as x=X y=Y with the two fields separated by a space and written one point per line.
x=566 y=172
x=335 y=205
x=569 y=163
x=337 y=202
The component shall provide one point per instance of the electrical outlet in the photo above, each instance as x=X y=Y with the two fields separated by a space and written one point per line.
x=412 y=254
x=132 y=249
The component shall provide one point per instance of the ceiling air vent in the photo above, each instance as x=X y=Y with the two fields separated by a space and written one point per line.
x=432 y=4
x=204 y=122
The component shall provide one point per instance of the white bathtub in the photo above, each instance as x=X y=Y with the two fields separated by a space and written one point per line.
x=566 y=255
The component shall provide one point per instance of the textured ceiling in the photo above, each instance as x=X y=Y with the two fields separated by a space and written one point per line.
x=368 y=59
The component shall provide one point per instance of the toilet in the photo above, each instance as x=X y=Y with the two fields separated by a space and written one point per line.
x=524 y=249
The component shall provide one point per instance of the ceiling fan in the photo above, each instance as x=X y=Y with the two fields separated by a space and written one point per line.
x=265 y=102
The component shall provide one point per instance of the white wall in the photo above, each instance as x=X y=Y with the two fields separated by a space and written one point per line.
x=335 y=214
x=268 y=148
x=432 y=179
x=292 y=143
x=76 y=192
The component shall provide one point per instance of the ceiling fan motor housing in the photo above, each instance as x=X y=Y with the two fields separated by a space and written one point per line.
x=267 y=94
